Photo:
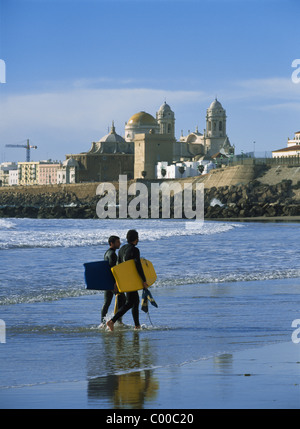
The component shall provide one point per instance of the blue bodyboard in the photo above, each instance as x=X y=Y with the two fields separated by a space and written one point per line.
x=98 y=276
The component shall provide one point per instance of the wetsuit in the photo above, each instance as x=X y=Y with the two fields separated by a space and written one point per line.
x=111 y=256
x=129 y=251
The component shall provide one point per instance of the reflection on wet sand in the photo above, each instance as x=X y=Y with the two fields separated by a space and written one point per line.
x=223 y=363
x=130 y=390
x=128 y=358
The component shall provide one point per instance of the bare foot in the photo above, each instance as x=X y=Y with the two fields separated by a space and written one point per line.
x=110 y=325
x=137 y=327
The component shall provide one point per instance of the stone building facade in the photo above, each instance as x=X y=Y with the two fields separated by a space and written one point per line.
x=106 y=160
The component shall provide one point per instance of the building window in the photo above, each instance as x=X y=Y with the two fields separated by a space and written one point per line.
x=220 y=126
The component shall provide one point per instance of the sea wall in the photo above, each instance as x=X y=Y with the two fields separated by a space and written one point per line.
x=232 y=192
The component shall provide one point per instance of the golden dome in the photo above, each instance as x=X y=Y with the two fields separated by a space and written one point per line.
x=142 y=118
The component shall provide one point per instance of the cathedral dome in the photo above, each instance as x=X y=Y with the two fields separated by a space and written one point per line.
x=140 y=123
x=215 y=105
x=164 y=107
x=142 y=118
x=112 y=137
x=111 y=143
x=164 y=111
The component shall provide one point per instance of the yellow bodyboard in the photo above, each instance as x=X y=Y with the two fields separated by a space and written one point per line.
x=128 y=278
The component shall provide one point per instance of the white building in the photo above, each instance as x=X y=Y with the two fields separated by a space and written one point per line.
x=182 y=170
x=292 y=149
x=68 y=171
x=13 y=179
x=295 y=141
x=5 y=169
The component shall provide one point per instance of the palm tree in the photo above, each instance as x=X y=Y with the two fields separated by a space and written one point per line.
x=181 y=170
x=200 y=168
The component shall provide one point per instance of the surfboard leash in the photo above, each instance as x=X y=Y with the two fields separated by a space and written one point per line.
x=149 y=317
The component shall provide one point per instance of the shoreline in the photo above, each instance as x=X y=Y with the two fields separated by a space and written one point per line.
x=264 y=377
x=217 y=219
x=258 y=219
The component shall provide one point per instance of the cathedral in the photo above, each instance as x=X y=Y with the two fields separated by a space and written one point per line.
x=214 y=138
x=148 y=140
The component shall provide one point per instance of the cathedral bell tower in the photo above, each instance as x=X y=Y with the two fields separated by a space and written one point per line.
x=166 y=120
x=216 y=120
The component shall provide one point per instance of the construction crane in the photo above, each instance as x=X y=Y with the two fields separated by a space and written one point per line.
x=26 y=146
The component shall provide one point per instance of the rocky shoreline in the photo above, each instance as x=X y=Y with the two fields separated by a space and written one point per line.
x=252 y=200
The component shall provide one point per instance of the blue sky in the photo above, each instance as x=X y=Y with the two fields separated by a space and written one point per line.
x=73 y=66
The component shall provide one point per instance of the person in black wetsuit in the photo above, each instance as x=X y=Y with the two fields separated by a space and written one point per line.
x=111 y=256
x=130 y=251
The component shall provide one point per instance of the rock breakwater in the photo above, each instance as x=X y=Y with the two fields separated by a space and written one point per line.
x=250 y=200
x=253 y=200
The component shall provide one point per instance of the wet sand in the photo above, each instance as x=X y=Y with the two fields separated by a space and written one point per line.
x=265 y=377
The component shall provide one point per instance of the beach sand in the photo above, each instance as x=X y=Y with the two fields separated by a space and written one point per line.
x=265 y=377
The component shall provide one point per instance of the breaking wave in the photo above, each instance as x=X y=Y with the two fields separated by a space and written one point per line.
x=6 y=224
x=45 y=296
x=229 y=278
x=79 y=237
x=197 y=280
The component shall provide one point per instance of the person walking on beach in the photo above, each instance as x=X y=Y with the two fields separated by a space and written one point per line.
x=111 y=256
x=127 y=252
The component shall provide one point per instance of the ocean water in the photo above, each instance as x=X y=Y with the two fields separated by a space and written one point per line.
x=221 y=288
